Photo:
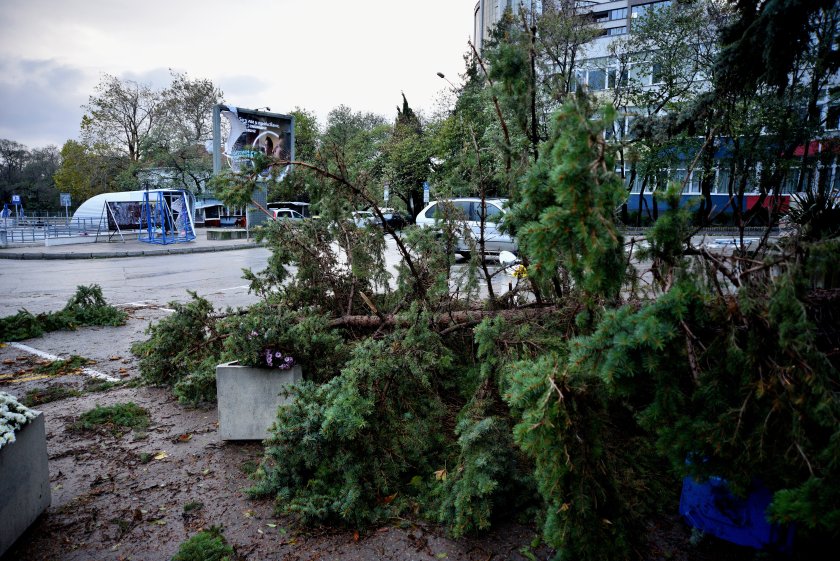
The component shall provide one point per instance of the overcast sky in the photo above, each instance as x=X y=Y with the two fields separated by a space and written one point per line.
x=313 y=54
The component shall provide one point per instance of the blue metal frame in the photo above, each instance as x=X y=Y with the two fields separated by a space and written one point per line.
x=160 y=229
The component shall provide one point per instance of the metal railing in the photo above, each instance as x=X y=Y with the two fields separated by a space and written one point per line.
x=34 y=229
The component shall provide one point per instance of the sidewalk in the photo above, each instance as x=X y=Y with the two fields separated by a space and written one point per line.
x=132 y=247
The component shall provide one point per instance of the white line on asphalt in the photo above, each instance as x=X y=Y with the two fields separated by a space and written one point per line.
x=234 y=288
x=87 y=371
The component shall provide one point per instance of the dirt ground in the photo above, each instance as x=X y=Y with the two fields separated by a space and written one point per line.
x=139 y=495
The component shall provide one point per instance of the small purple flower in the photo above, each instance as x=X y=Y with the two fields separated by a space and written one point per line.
x=253 y=334
x=278 y=354
x=269 y=356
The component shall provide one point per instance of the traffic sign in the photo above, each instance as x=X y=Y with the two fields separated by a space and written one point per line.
x=65 y=199
x=15 y=199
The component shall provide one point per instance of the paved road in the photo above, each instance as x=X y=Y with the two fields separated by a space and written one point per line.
x=46 y=285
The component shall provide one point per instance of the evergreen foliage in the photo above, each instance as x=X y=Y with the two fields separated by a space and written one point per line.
x=564 y=213
x=207 y=545
x=590 y=403
x=86 y=307
x=346 y=449
x=115 y=418
x=489 y=470
x=183 y=350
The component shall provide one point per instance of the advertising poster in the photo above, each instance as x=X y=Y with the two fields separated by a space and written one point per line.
x=125 y=215
x=252 y=131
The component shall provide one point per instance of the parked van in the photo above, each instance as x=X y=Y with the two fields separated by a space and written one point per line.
x=470 y=211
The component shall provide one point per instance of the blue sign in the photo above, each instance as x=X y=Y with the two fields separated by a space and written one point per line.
x=15 y=199
x=65 y=199
x=426 y=192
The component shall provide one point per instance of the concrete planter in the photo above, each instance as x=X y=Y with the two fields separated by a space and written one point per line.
x=248 y=398
x=24 y=481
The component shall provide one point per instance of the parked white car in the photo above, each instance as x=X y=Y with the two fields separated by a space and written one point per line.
x=469 y=210
x=362 y=218
x=286 y=214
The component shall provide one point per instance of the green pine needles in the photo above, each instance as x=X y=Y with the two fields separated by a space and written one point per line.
x=86 y=307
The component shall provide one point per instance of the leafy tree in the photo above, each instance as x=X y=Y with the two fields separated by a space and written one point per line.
x=87 y=171
x=29 y=173
x=307 y=140
x=121 y=115
x=177 y=144
x=407 y=157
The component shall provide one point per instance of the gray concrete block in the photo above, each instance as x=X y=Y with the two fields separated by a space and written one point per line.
x=24 y=481
x=248 y=398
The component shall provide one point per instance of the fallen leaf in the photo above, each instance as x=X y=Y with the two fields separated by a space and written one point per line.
x=205 y=471
x=8 y=361
x=123 y=370
x=159 y=522
x=440 y=474
x=389 y=499
x=356 y=536
x=260 y=531
x=115 y=357
x=271 y=525
x=183 y=438
x=441 y=556
x=248 y=513
x=161 y=455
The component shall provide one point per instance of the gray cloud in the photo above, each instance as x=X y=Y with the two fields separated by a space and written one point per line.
x=242 y=86
x=40 y=101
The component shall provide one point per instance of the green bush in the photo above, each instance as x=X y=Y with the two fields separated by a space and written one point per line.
x=344 y=449
x=114 y=418
x=183 y=348
x=86 y=307
x=207 y=545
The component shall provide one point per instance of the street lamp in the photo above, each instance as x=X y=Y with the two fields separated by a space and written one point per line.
x=442 y=76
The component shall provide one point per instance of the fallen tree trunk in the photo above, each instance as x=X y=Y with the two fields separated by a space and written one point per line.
x=451 y=319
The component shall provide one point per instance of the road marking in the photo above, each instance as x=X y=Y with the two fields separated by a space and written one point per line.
x=138 y=304
x=86 y=371
x=234 y=288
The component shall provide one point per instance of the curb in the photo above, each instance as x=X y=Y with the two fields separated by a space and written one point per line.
x=29 y=256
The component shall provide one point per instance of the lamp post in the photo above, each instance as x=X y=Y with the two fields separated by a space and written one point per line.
x=442 y=76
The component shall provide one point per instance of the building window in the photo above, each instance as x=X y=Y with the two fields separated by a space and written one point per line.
x=597 y=80
x=617 y=30
x=600 y=17
x=641 y=10
x=657 y=75
x=618 y=14
x=832 y=118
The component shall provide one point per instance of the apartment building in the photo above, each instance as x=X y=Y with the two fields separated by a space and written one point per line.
x=598 y=70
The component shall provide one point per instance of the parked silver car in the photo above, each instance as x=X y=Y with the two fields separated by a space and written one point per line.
x=469 y=211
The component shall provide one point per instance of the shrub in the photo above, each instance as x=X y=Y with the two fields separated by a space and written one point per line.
x=114 y=418
x=183 y=348
x=86 y=307
x=207 y=545
x=344 y=450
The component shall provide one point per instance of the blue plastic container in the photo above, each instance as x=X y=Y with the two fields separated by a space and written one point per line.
x=711 y=507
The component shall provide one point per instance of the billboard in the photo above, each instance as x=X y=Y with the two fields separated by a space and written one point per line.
x=251 y=131
x=125 y=215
